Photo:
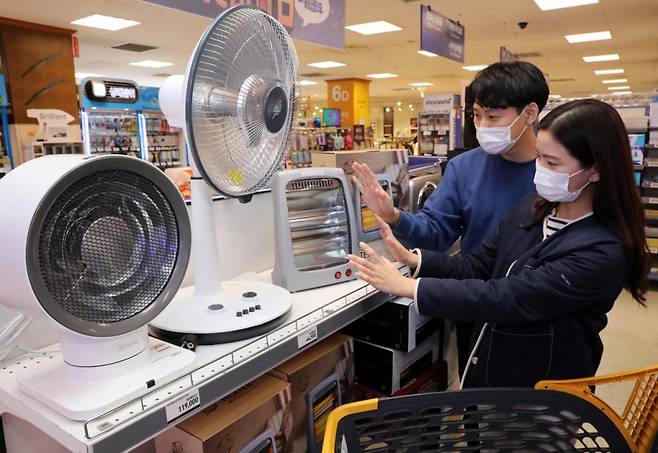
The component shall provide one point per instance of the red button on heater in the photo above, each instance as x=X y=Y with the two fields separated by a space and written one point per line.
x=348 y=272
x=337 y=275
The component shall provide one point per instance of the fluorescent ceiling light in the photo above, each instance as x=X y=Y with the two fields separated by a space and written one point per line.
x=547 y=5
x=615 y=81
x=152 y=64
x=624 y=87
x=608 y=71
x=84 y=75
x=596 y=58
x=373 y=28
x=307 y=82
x=475 y=68
x=622 y=92
x=422 y=84
x=326 y=64
x=425 y=53
x=383 y=75
x=587 y=37
x=105 y=22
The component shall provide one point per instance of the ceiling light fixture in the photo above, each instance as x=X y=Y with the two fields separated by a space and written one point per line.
x=373 y=28
x=608 y=71
x=547 y=5
x=105 y=22
x=306 y=83
x=588 y=37
x=152 y=64
x=615 y=81
x=475 y=68
x=425 y=53
x=624 y=87
x=326 y=64
x=597 y=58
x=382 y=75
x=421 y=84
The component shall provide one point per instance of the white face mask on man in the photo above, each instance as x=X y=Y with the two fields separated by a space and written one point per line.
x=498 y=140
x=554 y=186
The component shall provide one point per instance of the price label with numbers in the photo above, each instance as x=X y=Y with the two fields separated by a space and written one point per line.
x=182 y=405
x=307 y=336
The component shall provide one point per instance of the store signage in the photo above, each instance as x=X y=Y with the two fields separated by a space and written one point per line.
x=506 y=56
x=352 y=98
x=438 y=103
x=316 y=21
x=441 y=35
x=111 y=91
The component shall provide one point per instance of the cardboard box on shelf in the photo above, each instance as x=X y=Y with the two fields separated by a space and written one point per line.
x=378 y=161
x=433 y=379
x=321 y=378
x=387 y=370
x=255 y=418
x=396 y=325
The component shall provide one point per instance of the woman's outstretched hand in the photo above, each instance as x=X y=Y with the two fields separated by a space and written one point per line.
x=382 y=274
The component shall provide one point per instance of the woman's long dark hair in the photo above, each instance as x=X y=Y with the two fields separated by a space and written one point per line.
x=594 y=133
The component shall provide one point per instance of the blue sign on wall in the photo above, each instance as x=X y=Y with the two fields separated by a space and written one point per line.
x=317 y=21
x=441 y=35
x=148 y=98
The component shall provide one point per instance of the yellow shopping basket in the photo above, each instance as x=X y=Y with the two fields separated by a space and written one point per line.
x=556 y=416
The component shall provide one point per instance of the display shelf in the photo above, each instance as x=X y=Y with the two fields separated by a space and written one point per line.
x=220 y=369
x=649 y=184
x=651 y=232
x=650 y=200
x=650 y=162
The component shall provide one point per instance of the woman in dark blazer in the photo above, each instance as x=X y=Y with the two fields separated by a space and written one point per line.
x=543 y=283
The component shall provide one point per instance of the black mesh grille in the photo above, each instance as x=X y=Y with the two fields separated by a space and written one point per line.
x=319 y=223
x=505 y=420
x=108 y=246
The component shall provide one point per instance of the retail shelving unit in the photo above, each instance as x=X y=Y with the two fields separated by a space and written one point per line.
x=162 y=141
x=650 y=200
x=220 y=369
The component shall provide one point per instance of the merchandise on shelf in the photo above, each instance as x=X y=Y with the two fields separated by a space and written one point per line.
x=113 y=132
x=255 y=418
x=163 y=141
x=319 y=377
x=305 y=140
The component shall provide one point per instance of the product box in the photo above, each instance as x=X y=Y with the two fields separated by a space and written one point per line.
x=321 y=378
x=255 y=418
x=387 y=370
x=396 y=325
x=433 y=379
x=377 y=161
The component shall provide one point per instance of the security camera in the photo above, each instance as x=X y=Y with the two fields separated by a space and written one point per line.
x=522 y=25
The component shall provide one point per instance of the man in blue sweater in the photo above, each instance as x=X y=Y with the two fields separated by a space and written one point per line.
x=480 y=186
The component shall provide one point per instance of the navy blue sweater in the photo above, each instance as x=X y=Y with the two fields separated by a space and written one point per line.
x=543 y=319
x=475 y=193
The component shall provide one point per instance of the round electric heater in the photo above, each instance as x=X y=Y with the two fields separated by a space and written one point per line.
x=236 y=105
x=99 y=245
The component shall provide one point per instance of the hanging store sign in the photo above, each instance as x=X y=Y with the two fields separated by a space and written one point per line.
x=441 y=35
x=506 y=56
x=438 y=103
x=316 y=21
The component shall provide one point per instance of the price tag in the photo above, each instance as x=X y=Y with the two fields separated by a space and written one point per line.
x=183 y=405
x=307 y=336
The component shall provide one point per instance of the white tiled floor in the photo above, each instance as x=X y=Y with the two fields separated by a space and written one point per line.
x=631 y=342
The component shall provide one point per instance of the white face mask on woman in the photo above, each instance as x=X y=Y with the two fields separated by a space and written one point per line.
x=554 y=186
x=498 y=140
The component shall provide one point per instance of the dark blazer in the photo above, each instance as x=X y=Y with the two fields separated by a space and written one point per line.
x=544 y=318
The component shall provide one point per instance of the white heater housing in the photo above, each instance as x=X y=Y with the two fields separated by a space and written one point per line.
x=98 y=245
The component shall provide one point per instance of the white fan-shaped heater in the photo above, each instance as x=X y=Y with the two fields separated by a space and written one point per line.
x=99 y=245
x=236 y=106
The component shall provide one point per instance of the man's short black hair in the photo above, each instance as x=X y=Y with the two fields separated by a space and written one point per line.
x=514 y=84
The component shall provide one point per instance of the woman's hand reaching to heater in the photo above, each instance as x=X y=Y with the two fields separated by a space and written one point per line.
x=375 y=197
x=382 y=274
x=400 y=253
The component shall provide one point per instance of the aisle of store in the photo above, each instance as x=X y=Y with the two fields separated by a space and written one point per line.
x=223 y=220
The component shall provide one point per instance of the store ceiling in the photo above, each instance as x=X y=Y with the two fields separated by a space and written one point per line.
x=488 y=23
